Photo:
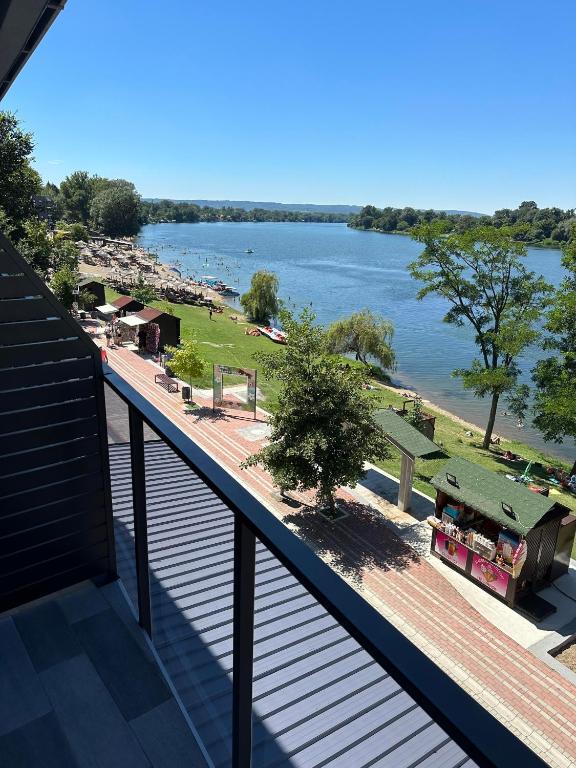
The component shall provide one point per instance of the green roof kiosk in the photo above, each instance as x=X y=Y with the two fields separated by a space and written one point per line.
x=411 y=443
x=499 y=534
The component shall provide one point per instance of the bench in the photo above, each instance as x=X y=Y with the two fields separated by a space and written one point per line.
x=165 y=381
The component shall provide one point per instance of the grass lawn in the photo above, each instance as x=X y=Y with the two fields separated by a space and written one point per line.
x=228 y=345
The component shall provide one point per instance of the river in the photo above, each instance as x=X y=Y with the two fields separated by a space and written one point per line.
x=337 y=271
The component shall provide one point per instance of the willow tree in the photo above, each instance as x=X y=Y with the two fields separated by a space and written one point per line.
x=364 y=334
x=260 y=303
x=481 y=275
x=322 y=430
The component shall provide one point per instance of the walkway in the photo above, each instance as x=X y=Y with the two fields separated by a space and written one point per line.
x=531 y=699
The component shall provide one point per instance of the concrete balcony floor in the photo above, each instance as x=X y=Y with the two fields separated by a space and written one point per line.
x=80 y=687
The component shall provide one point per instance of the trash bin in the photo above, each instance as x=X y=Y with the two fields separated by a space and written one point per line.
x=186 y=393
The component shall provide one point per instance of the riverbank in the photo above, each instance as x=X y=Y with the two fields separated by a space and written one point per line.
x=224 y=341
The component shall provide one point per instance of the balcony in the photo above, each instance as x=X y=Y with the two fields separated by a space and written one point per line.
x=270 y=657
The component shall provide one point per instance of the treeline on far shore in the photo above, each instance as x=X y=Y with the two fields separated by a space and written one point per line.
x=154 y=212
x=549 y=227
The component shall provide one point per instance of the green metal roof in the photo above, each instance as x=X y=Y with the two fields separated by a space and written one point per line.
x=403 y=435
x=485 y=491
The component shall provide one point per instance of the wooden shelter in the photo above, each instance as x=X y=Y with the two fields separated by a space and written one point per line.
x=411 y=443
x=96 y=288
x=126 y=304
x=169 y=325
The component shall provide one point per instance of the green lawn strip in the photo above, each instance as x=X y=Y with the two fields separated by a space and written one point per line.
x=450 y=434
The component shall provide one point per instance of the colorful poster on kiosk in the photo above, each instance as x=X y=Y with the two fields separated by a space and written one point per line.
x=451 y=550
x=490 y=575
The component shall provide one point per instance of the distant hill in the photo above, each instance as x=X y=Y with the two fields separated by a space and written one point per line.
x=462 y=213
x=249 y=205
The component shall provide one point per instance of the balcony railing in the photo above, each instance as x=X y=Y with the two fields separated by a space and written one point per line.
x=485 y=740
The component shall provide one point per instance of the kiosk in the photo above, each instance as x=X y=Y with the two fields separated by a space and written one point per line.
x=499 y=534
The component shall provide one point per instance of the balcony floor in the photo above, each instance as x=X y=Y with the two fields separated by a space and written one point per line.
x=79 y=688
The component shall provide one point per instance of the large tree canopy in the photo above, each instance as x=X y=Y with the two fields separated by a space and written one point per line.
x=19 y=182
x=76 y=193
x=481 y=275
x=364 y=334
x=323 y=428
x=261 y=300
x=555 y=376
x=115 y=209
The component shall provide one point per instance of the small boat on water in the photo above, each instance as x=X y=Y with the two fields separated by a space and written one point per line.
x=276 y=335
x=249 y=250
x=228 y=291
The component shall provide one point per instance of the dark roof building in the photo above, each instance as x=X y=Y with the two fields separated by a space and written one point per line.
x=127 y=304
x=96 y=288
x=169 y=325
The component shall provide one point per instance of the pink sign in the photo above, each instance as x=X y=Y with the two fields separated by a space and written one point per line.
x=489 y=575
x=451 y=550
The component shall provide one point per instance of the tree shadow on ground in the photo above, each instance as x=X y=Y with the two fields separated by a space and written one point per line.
x=206 y=413
x=360 y=541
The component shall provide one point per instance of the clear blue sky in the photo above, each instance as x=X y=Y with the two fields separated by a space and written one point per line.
x=442 y=104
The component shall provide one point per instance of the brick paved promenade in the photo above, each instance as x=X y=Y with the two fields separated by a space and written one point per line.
x=525 y=694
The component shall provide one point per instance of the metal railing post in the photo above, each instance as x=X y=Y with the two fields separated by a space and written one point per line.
x=140 y=522
x=244 y=578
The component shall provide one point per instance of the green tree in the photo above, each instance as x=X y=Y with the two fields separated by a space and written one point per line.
x=415 y=415
x=555 y=376
x=481 y=275
x=115 y=209
x=322 y=430
x=76 y=193
x=143 y=292
x=63 y=286
x=19 y=182
x=260 y=303
x=187 y=361
x=364 y=334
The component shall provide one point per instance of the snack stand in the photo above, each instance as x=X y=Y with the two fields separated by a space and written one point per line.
x=497 y=533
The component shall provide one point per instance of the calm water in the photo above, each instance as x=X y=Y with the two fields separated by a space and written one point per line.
x=339 y=270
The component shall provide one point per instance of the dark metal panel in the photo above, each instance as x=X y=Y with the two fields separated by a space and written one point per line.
x=46 y=569
x=22 y=462
x=46 y=373
x=32 y=397
x=14 y=286
x=71 y=539
x=48 y=494
x=16 y=310
x=88 y=503
x=34 y=331
x=138 y=471
x=41 y=417
x=57 y=473
x=54 y=439
x=41 y=353
x=38 y=438
x=93 y=568
x=82 y=521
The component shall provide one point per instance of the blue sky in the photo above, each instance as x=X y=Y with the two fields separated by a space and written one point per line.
x=464 y=104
